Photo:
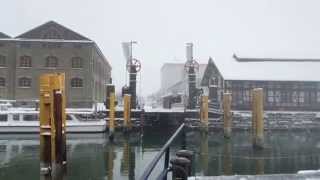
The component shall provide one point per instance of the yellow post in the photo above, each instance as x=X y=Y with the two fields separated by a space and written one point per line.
x=112 y=115
x=257 y=118
x=52 y=123
x=127 y=112
x=227 y=116
x=253 y=118
x=45 y=124
x=204 y=112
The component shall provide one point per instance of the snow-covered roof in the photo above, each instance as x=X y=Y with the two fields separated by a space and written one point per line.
x=269 y=69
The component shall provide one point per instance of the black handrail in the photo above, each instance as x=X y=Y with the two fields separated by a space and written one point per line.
x=165 y=149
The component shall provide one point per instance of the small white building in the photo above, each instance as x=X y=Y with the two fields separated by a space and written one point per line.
x=174 y=79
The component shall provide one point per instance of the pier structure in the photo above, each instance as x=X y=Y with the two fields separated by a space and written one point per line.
x=52 y=124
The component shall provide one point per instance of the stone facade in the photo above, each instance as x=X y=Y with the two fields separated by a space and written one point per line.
x=29 y=55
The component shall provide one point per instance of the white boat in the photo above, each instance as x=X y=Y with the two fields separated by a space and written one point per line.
x=26 y=120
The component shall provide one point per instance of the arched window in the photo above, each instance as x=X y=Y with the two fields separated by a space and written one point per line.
x=2 y=82
x=24 y=82
x=51 y=61
x=25 y=61
x=76 y=82
x=76 y=62
x=3 y=61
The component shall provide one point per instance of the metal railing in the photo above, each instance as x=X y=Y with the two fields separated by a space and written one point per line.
x=164 y=150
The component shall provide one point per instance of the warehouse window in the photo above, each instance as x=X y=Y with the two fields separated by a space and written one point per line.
x=76 y=62
x=76 y=82
x=2 y=82
x=24 y=82
x=2 y=61
x=51 y=61
x=25 y=61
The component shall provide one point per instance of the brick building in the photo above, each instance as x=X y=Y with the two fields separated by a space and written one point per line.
x=49 y=48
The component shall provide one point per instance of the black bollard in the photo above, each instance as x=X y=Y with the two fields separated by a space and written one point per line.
x=180 y=168
x=188 y=155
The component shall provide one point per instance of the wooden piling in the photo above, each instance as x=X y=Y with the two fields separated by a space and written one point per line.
x=112 y=115
x=257 y=118
x=204 y=112
x=253 y=117
x=45 y=125
x=52 y=124
x=227 y=116
x=127 y=112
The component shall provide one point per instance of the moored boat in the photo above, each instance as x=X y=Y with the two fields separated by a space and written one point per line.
x=26 y=120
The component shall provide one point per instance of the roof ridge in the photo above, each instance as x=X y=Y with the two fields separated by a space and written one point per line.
x=258 y=59
x=4 y=35
x=52 y=22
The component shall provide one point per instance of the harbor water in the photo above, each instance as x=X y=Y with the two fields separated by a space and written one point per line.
x=94 y=157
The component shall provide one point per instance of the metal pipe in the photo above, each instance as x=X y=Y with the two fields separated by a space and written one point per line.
x=156 y=159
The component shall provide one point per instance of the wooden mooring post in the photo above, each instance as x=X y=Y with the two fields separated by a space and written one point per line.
x=204 y=112
x=127 y=112
x=53 y=154
x=227 y=116
x=111 y=115
x=257 y=118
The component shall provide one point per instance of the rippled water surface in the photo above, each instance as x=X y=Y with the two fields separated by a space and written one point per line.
x=93 y=157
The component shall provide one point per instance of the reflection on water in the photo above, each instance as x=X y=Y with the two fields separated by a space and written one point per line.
x=92 y=156
x=285 y=152
x=204 y=153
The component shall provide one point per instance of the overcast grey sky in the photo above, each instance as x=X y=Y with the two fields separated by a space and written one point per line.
x=263 y=28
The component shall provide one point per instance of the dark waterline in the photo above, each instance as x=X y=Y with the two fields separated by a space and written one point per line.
x=93 y=157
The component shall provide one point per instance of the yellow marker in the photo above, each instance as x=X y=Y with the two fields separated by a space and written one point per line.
x=52 y=121
x=204 y=110
x=127 y=111
x=257 y=118
x=112 y=113
x=227 y=114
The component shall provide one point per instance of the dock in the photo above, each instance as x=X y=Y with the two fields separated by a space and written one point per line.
x=301 y=175
x=158 y=116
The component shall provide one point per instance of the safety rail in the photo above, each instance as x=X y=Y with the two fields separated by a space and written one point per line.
x=164 y=150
